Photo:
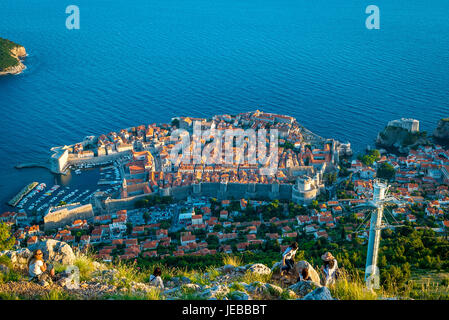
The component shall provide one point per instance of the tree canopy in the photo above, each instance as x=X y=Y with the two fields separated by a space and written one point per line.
x=386 y=171
x=6 y=239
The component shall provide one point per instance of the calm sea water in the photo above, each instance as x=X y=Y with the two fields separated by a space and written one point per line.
x=144 y=61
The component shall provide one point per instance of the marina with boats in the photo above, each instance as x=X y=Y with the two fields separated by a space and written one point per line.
x=36 y=198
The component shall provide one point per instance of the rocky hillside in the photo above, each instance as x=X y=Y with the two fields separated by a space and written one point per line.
x=98 y=280
x=400 y=139
x=441 y=133
x=10 y=57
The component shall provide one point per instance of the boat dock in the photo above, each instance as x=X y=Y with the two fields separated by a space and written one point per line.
x=32 y=165
x=103 y=182
x=14 y=201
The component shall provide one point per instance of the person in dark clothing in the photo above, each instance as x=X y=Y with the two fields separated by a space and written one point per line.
x=288 y=262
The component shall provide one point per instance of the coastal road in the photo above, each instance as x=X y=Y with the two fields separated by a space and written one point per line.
x=120 y=164
x=174 y=222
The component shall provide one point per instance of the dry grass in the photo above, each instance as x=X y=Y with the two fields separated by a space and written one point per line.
x=250 y=277
x=351 y=287
x=232 y=260
x=85 y=266
x=154 y=294
x=57 y=294
x=428 y=290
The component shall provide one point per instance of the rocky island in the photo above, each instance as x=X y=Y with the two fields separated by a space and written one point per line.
x=10 y=57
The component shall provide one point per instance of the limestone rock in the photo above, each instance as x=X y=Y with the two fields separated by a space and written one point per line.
x=239 y=295
x=273 y=289
x=257 y=287
x=56 y=251
x=215 y=292
x=171 y=291
x=322 y=293
x=259 y=268
x=140 y=287
x=240 y=269
x=300 y=265
x=185 y=280
x=19 y=258
x=228 y=268
x=192 y=286
x=302 y=288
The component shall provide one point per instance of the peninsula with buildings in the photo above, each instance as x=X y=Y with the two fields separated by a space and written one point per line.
x=142 y=156
x=11 y=55
x=135 y=165
x=150 y=209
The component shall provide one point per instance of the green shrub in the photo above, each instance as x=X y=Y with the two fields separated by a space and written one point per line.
x=237 y=287
x=8 y=296
x=151 y=295
x=11 y=276
x=6 y=239
x=5 y=260
x=57 y=294
x=190 y=294
x=212 y=273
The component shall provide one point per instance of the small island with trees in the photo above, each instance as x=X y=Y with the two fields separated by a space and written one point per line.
x=10 y=57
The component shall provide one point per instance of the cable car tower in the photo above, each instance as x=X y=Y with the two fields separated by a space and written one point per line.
x=376 y=206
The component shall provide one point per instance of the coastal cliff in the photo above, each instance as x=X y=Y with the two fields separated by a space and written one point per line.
x=441 y=132
x=401 y=139
x=10 y=57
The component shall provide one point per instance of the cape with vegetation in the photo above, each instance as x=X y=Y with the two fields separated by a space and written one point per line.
x=10 y=54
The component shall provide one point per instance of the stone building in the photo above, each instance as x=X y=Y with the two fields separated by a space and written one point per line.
x=59 y=159
x=58 y=217
x=305 y=190
x=411 y=125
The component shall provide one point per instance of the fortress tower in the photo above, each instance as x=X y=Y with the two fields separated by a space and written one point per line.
x=305 y=190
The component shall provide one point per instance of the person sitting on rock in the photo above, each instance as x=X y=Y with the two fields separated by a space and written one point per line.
x=38 y=270
x=156 y=280
x=329 y=268
x=288 y=257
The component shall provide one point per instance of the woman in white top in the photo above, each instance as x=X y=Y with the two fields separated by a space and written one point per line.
x=329 y=268
x=38 y=269
x=156 y=280
x=288 y=257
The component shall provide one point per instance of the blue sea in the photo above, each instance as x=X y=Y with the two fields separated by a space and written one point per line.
x=145 y=61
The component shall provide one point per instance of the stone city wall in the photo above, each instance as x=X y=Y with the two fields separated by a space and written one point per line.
x=66 y=216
